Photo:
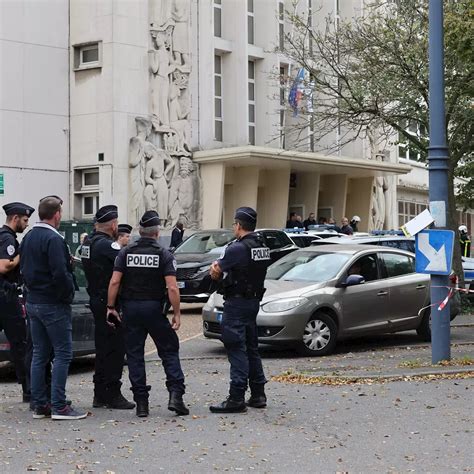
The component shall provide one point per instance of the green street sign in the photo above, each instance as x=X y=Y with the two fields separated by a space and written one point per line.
x=2 y=185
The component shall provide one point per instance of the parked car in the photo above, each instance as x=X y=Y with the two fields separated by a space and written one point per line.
x=304 y=238
x=395 y=241
x=322 y=294
x=82 y=321
x=195 y=255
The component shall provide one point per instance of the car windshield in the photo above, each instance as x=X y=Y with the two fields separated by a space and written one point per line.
x=205 y=242
x=307 y=266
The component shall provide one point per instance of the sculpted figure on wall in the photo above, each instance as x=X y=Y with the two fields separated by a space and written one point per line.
x=379 y=190
x=163 y=175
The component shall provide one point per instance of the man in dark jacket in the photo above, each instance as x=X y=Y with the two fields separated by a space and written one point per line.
x=177 y=235
x=47 y=271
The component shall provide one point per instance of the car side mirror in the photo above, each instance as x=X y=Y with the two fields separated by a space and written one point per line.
x=353 y=280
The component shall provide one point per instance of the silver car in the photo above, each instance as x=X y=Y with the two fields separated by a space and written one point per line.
x=319 y=295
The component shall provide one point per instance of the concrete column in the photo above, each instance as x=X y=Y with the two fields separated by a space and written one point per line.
x=359 y=195
x=272 y=203
x=333 y=190
x=245 y=191
x=213 y=176
x=306 y=192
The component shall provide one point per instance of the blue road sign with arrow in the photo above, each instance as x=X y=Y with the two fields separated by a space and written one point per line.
x=434 y=251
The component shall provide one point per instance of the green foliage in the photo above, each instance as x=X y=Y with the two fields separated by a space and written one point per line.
x=371 y=74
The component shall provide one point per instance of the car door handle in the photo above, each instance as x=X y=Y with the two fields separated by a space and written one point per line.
x=382 y=293
x=421 y=287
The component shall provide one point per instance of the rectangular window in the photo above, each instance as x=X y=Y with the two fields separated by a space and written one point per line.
x=251 y=101
x=91 y=178
x=90 y=204
x=88 y=55
x=250 y=23
x=283 y=88
x=281 y=25
x=217 y=18
x=218 y=98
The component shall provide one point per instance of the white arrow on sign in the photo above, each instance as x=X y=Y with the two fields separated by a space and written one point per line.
x=437 y=258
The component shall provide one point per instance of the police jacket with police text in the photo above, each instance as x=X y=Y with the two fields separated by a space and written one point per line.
x=144 y=265
x=98 y=255
x=244 y=263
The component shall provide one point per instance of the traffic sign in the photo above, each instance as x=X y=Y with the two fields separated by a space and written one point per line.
x=434 y=251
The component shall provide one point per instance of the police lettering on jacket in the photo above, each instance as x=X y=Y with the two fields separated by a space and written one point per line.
x=143 y=261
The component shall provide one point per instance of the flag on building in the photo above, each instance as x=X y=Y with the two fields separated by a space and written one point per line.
x=297 y=91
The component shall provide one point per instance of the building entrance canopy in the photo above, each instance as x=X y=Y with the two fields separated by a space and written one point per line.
x=260 y=177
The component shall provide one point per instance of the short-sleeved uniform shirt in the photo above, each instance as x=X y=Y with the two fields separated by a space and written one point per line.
x=167 y=262
x=8 y=251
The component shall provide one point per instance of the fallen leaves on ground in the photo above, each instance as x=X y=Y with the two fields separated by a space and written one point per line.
x=337 y=381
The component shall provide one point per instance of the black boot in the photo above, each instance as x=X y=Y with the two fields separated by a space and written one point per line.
x=119 y=402
x=99 y=400
x=176 y=404
x=142 y=408
x=26 y=392
x=230 y=405
x=257 y=398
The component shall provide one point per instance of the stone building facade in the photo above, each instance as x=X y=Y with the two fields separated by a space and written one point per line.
x=177 y=105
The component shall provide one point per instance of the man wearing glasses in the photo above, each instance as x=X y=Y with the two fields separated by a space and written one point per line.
x=242 y=269
x=47 y=271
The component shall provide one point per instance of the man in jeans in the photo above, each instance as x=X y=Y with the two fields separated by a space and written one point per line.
x=47 y=273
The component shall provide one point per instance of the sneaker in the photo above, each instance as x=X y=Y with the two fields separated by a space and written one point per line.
x=42 y=412
x=68 y=413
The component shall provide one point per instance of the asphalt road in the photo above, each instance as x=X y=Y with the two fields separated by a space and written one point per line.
x=409 y=425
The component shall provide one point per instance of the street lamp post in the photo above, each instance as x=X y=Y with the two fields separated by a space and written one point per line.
x=438 y=177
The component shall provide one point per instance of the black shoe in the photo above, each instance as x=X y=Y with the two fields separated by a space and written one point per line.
x=119 y=402
x=99 y=402
x=142 y=408
x=176 y=404
x=257 y=401
x=26 y=397
x=229 y=406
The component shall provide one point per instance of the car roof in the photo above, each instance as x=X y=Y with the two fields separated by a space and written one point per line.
x=353 y=249
x=374 y=238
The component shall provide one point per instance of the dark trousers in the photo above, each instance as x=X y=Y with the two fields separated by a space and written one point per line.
x=141 y=318
x=14 y=325
x=109 y=352
x=239 y=335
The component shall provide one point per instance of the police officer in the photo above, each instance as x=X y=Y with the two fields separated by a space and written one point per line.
x=98 y=255
x=123 y=237
x=244 y=267
x=143 y=270
x=11 y=314
x=464 y=241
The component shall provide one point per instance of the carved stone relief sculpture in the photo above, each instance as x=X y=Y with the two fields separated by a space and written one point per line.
x=163 y=175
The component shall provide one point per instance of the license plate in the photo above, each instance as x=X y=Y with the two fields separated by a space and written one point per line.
x=181 y=284
x=219 y=317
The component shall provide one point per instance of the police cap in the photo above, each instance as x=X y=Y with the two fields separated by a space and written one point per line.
x=125 y=229
x=106 y=214
x=246 y=214
x=150 y=219
x=18 y=208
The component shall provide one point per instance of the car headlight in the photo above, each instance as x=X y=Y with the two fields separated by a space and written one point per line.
x=284 y=304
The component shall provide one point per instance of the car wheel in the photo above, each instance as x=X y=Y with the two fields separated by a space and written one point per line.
x=424 y=329
x=319 y=336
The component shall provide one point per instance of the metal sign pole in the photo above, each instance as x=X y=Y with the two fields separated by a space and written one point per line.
x=438 y=177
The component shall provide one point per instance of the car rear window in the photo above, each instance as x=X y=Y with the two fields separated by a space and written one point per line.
x=205 y=242
x=276 y=240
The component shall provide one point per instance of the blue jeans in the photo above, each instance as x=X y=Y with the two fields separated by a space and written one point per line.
x=240 y=338
x=51 y=329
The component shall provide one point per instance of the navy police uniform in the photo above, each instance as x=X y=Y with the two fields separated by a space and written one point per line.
x=11 y=314
x=144 y=266
x=98 y=254
x=244 y=266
